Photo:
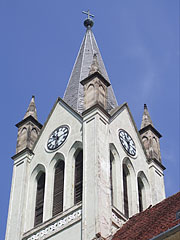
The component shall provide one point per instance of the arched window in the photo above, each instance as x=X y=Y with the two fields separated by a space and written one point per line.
x=143 y=191
x=39 y=199
x=141 y=194
x=78 y=177
x=125 y=190
x=58 y=188
x=111 y=176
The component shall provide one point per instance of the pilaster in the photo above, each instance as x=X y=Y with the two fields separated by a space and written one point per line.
x=157 y=181
x=16 y=221
x=96 y=174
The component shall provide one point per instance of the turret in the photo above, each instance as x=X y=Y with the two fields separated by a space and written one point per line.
x=95 y=87
x=28 y=128
x=150 y=137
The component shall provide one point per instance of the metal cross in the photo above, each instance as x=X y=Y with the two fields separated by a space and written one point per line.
x=88 y=14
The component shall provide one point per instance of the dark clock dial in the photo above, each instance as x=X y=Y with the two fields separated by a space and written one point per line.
x=57 y=137
x=127 y=142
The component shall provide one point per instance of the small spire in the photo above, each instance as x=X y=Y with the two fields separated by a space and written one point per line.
x=95 y=65
x=31 y=111
x=146 y=119
x=88 y=23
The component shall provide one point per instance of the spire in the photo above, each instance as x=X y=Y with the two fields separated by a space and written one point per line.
x=146 y=120
x=74 y=93
x=31 y=111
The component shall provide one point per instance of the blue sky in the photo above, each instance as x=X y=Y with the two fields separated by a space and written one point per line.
x=139 y=43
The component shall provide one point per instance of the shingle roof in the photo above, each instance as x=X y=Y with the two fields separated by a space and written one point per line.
x=74 y=94
x=152 y=221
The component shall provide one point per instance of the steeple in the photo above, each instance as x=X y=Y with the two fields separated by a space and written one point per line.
x=28 y=128
x=146 y=120
x=74 y=93
x=150 y=137
x=31 y=111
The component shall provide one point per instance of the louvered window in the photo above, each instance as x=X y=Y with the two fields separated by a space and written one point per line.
x=78 y=177
x=58 y=188
x=125 y=188
x=140 y=187
x=39 y=200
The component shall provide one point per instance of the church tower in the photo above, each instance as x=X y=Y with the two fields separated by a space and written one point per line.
x=88 y=169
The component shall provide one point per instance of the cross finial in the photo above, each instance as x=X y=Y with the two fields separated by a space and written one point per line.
x=88 y=14
x=88 y=23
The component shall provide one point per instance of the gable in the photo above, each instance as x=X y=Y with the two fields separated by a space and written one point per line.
x=60 y=115
x=122 y=119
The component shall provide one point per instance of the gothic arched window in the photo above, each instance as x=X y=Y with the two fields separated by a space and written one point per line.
x=58 y=188
x=111 y=176
x=39 y=199
x=140 y=194
x=78 y=177
x=125 y=190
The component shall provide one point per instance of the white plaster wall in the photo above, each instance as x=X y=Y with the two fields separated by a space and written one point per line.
x=157 y=183
x=96 y=188
x=17 y=199
x=72 y=233
x=60 y=116
x=139 y=163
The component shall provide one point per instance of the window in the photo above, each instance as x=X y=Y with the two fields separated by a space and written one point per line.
x=78 y=177
x=125 y=190
x=39 y=199
x=58 y=188
x=140 y=194
x=111 y=176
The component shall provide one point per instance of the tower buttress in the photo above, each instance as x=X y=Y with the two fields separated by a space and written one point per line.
x=150 y=138
x=28 y=131
x=28 y=128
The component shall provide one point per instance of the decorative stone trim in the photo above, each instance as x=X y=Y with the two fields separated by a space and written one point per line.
x=56 y=226
x=118 y=218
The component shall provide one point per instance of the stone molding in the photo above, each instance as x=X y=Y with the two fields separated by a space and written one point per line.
x=118 y=218
x=50 y=229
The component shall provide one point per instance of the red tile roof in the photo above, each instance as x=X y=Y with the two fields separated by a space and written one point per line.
x=152 y=221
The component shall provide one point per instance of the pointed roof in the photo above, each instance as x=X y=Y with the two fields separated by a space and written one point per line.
x=31 y=111
x=74 y=93
x=146 y=119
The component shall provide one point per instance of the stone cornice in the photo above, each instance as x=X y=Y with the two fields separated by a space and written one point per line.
x=29 y=119
x=24 y=151
x=95 y=74
x=92 y=108
x=157 y=162
x=150 y=127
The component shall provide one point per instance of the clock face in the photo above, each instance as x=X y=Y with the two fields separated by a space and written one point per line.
x=57 y=137
x=127 y=142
